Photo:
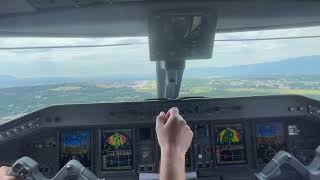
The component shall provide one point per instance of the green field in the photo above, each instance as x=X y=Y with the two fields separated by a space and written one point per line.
x=17 y=101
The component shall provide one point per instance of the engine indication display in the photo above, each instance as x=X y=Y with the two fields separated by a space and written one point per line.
x=269 y=140
x=75 y=144
x=230 y=144
x=117 y=151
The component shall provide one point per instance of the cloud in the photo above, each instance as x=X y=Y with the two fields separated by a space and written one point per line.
x=135 y=58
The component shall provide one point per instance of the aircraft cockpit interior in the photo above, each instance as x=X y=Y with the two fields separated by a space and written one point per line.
x=264 y=137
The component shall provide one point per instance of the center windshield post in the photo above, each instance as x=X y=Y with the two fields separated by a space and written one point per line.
x=169 y=76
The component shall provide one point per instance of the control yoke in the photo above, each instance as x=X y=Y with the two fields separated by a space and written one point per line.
x=27 y=167
x=273 y=168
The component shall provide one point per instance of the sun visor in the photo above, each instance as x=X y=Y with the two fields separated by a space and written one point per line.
x=181 y=35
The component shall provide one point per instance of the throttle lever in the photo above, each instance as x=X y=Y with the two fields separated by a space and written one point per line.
x=273 y=168
x=27 y=167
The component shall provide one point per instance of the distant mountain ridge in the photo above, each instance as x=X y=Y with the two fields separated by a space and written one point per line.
x=307 y=65
x=11 y=81
x=6 y=78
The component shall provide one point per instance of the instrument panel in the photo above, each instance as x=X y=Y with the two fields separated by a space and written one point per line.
x=118 y=140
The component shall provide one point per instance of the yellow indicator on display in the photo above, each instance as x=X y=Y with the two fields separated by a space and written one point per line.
x=117 y=140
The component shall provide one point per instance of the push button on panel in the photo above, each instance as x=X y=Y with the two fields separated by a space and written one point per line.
x=150 y=168
x=142 y=168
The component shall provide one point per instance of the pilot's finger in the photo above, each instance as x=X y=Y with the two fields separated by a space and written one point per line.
x=11 y=178
x=167 y=115
x=174 y=111
x=161 y=120
x=4 y=170
x=175 y=117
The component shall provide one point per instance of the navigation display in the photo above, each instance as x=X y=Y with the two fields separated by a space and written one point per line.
x=269 y=140
x=75 y=144
x=230 y=148
x=117 y=152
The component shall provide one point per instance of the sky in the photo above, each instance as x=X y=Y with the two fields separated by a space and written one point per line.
x=134 y=59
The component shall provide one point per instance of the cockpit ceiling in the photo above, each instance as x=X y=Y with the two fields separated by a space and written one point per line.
x=81 y=18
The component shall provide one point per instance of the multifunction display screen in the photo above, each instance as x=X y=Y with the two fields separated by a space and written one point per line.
x=75 y=144
x=269 y=140
x=230 y=144
x=117 y=151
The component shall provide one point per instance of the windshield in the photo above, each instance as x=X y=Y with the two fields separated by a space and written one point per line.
x=118 y=69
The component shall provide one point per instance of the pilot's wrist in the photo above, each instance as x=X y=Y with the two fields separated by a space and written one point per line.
x=173 y=153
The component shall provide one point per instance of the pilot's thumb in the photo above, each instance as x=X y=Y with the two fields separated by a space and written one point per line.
x=160 y=120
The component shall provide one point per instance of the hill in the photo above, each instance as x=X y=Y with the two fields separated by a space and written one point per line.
x=7 y=81
x=307 y=65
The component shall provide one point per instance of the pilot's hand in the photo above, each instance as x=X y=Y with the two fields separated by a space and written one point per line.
x=174 y=135
x=4 y=171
